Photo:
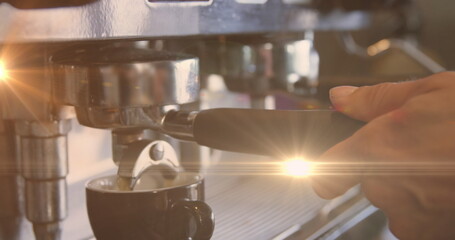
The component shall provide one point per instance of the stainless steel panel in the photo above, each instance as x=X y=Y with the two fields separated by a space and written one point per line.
x=122 y=19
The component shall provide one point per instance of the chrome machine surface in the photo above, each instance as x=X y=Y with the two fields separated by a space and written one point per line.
x=124 y=19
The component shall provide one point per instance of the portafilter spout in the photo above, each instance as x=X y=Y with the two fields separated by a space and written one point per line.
x=265 y=132
x=143 y=155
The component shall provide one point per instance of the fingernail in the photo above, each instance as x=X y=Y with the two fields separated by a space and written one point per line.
x=341 y=91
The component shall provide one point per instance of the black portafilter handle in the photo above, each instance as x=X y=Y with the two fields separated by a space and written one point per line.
x=279 y=133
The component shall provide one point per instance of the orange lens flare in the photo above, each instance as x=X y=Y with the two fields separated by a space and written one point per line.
x=3 y=72
x=297 y=168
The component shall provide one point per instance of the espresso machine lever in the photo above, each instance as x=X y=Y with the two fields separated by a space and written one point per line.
x=278 y=133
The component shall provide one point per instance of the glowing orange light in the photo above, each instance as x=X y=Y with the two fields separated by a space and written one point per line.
x=3 y=73
x=378 y=47
x=297 y=168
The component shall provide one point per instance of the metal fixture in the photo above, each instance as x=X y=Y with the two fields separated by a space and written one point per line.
x=298 y=66
x=382 y=46
x=249 y=68
x=121 y=139
x=261 y=66
x=44 y=161
x=127 y=90
x=105 y=19
x=110 y=77
x=11 y=212
x=142 y=156
x=40 y=129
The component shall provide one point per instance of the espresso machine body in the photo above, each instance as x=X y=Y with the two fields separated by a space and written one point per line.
x=67 y=60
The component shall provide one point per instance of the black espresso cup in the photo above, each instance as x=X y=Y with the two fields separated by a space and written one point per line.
x=157 y=209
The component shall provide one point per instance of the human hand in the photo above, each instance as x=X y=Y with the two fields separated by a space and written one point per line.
x=409 y=123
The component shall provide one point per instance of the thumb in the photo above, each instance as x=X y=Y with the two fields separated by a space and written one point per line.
x=369 y=102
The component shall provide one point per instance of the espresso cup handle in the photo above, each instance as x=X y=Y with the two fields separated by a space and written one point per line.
x=185 y=211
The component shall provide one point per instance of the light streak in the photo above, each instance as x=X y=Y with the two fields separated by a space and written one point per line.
x=301 y=168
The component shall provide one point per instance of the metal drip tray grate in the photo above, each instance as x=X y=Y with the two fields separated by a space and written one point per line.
x=259 y=207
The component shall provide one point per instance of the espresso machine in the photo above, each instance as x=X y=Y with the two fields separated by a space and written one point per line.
x=142 y=70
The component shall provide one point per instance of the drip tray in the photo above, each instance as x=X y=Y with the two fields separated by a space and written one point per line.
x=259 y=207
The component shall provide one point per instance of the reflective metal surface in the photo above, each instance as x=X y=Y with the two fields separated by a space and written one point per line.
x=42 y=129
x=44 y=166
x=380 y=47
x=248 y=67
x=179 y=124
x=123 y=19
x=40 y=141
x=46 y=201
x=298 y=66
x=118 y=117
x=11 y=211
x=143 y=155
x=112 y=77
x=121 y=140
x=26 y=93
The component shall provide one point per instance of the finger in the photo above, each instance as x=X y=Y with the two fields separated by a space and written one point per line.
x=342 y=166
x=419 y=224
x=433 y=193
x=369 y=102
x=336 y=182
x=386 y=193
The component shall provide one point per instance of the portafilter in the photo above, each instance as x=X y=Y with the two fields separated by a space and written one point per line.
x=113 y=87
